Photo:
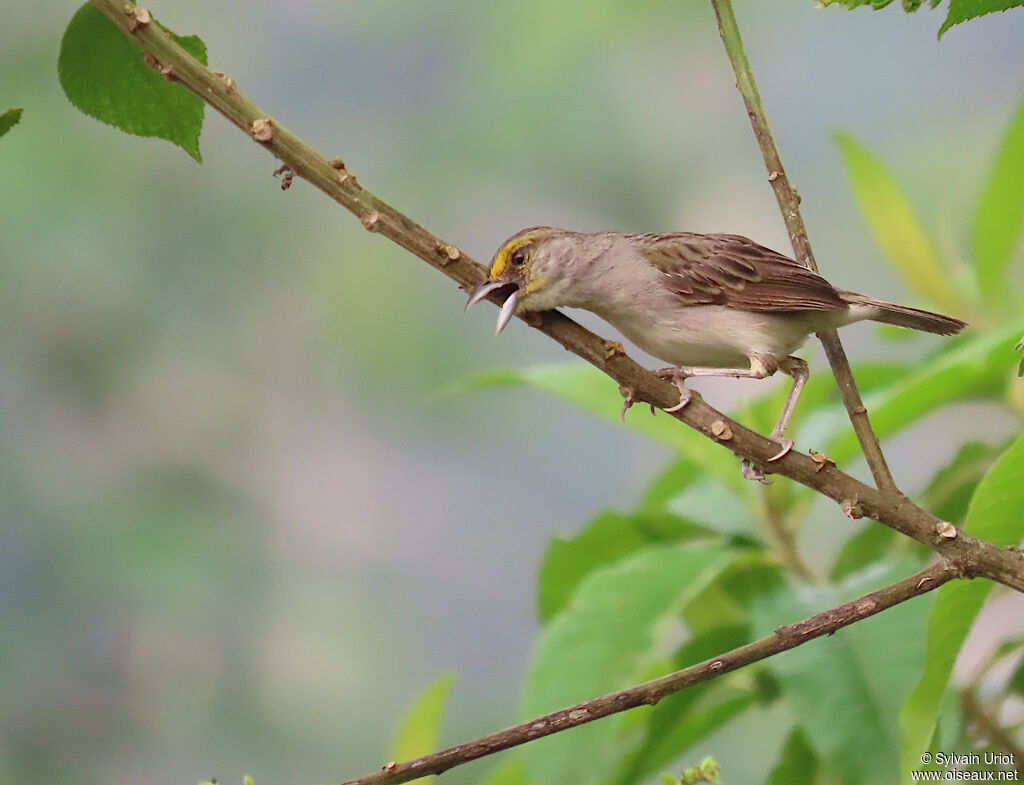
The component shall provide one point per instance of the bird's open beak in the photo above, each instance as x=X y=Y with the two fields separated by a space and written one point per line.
x=511 y=300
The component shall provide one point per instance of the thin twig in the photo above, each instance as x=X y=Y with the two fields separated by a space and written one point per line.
x=650 y=692
x=972 y=555
x=988 y=726
x=784 y=537
x=789 y=204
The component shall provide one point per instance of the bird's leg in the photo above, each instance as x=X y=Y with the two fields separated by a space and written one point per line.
x=797 y=369
x=761 y=367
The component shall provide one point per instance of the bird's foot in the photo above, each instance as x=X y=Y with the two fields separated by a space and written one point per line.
x=628 y=399
x=753 y=472
x=787 y=445
x=678 y=377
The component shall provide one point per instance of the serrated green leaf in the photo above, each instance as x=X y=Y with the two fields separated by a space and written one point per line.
x=103 y=74
x=993 y=515
x=999 y=219
x=9 y=119
x=598 y=644
x=420 y=729
x=895 y=226
x=962 y=10
x=588 y=388
x=797 y=762
x=607 y=538
x=846 y=690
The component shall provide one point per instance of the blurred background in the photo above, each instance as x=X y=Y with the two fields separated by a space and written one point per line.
x=242 y=524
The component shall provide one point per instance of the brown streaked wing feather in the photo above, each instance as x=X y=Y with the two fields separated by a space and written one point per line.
x=729 y=270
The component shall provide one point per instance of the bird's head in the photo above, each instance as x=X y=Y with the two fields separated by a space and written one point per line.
x=527 y=271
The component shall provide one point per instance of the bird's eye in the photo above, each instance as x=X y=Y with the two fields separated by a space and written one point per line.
x=518 y=258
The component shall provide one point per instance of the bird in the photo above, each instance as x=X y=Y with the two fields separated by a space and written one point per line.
x=707 y=304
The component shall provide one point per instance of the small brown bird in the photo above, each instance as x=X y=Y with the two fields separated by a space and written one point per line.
x=708 y=304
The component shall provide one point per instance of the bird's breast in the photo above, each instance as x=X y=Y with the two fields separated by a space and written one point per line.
x=710 y=336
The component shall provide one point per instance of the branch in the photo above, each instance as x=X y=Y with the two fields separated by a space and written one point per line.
x=971 y=555
x=789 y=203
x=650 y=692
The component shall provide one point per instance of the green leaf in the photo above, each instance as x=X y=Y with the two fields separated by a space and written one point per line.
x=797 y=762
x=681 y=720
x=999 y=219
x=678 y=475
x=994 y=515
x=509 y=772
x=895 y=226
x=705 y=771
x=975 y=366
x=1016 y=683
x=606 y=539
x=588 y=388
x=614 y=623
x=950 y=491
x=846 y=690
x=9 y=119
x=104 y=75
x=962 y=10
x=866 y=547
x=420 y=730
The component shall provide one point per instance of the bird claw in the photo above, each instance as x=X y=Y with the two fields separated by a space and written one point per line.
x=685 y=395
x=678 y=378
x=752 y=472
x=787 y=445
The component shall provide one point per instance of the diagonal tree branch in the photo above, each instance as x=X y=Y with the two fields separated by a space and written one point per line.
x=650 y=692
x=789 y=204
x=972 y=556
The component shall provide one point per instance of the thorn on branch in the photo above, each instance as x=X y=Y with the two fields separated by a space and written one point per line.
x=613 y=349
x=822 y=459
x=286 y=176
x=229 y=83
x=369 y=220
x=140 y=17
x=721 y=430
x=852 y=508
x=262 y=130
x=449 y=252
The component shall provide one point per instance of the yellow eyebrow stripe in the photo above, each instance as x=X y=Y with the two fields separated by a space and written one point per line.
x=501 y=259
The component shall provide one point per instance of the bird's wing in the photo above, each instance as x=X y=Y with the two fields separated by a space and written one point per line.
x=729 y=270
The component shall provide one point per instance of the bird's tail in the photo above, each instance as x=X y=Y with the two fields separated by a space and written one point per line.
x=905 y=316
